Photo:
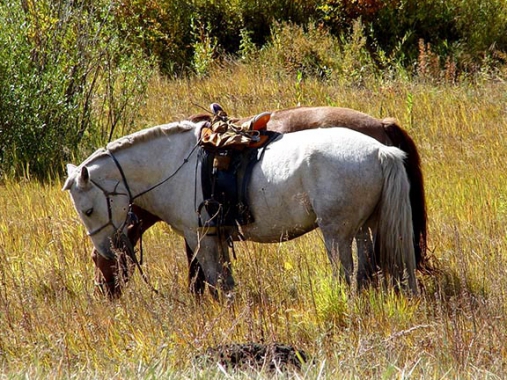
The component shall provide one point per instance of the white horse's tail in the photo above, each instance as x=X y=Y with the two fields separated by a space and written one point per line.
x=396 y=255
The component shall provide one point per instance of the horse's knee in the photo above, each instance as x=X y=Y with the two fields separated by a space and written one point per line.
x=366 y=259
x=106 y=273
x=227 y=282
x=347 y=264
x=340 y=256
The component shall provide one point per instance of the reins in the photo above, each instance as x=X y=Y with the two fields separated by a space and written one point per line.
x=185 y=160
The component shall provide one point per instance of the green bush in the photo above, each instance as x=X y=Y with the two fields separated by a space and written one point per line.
x=293 y=50
x=461 y=32
x=464 y=31
x=176 y=31
x=65 y=76
x=314 y=52
x=162 y=29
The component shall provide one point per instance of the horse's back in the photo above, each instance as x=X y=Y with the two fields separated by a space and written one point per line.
x=340 y=161
x=301 y=118
x=337 y=142
x=312 y=175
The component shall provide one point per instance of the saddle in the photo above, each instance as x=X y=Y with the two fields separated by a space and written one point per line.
x=227 y=155
x=222 y=133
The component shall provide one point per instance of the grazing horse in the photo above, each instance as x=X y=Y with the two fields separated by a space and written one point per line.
x=386 y=131
x=335 y=179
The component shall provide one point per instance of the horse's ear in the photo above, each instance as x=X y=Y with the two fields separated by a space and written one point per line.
x=85 y=176
x=82 y=177
x=70 y=171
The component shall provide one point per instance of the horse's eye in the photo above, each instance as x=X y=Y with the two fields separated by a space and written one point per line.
x=89 y=212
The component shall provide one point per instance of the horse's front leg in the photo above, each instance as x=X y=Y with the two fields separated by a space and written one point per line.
x=196 y=278
x=212 y=254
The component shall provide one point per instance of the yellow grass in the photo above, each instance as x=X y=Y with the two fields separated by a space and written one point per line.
x=52 y=324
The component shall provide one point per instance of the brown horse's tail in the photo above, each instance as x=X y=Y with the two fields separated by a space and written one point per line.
x=402 y=140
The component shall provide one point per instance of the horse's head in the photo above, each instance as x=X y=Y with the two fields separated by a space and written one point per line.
x=103 y=206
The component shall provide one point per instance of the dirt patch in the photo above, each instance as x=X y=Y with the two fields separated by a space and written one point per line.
x=255 y=356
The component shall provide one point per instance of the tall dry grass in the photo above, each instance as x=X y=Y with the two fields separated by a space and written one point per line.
x=52 y=325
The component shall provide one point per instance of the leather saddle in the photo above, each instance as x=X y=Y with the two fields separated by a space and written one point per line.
x=227 y=156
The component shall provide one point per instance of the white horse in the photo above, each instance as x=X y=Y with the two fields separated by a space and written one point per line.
x=334 y=178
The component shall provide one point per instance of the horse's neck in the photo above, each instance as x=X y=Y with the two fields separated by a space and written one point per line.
x=154 y=171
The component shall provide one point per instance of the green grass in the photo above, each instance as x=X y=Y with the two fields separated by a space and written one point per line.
x=53 y=325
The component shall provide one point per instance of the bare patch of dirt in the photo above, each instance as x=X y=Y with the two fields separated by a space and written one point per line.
x=256 y=356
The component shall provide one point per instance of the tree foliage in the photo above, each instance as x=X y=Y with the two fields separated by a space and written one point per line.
x=61 y=62
x=466 y=30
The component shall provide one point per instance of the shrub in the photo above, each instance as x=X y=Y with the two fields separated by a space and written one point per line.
x=460 y=32
x=60 y=63
x=162 y=29
x=315 y=52
x=294 y=49
x=172 y=29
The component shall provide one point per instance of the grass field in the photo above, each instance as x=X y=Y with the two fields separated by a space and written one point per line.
x=53 y=326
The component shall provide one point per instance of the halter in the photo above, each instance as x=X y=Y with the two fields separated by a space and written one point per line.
x=108 y=194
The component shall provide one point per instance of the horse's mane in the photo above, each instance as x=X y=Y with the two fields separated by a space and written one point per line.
x=149 y=134
x=141 y=136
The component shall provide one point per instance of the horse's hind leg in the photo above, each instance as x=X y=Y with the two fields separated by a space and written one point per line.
x=365 y=257
x=339 y=249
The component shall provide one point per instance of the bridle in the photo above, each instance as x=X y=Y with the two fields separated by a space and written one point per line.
x=130 y=213
x=108 y=195
x=130 y=217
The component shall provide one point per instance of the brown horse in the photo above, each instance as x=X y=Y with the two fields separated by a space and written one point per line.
x=111 y=275
x=386 y=131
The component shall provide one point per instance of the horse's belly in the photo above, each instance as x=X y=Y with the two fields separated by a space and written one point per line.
x=281 y=208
